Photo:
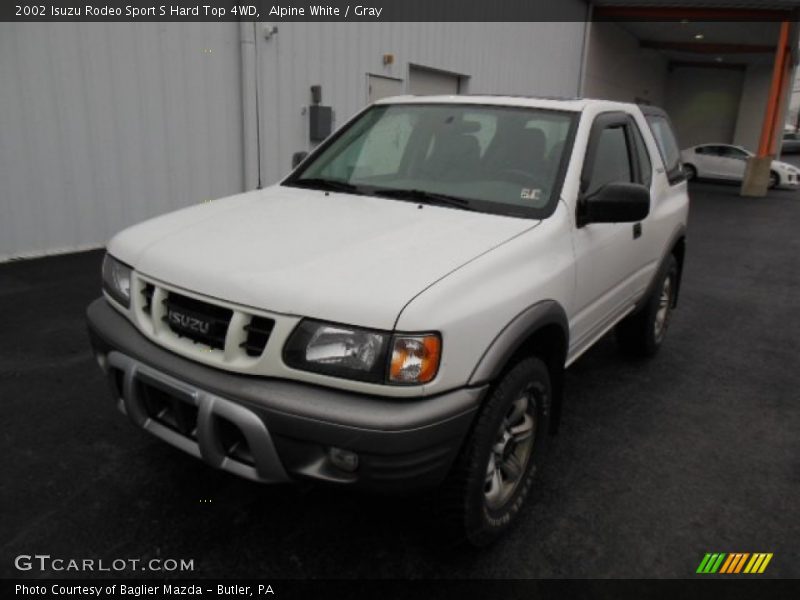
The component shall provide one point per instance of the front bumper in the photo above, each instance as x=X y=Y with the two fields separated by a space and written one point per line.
x=273 y=430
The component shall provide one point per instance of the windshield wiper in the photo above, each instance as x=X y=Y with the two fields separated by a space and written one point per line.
x=333 y=185
x=423 y=197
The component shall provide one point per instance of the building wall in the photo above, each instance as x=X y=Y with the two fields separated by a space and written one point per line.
x=750 y=119
x=618 y=69
x=106 y=124
x=704 y=104
x=793 y=109
x=496 y=58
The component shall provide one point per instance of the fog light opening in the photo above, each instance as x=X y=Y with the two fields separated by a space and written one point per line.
x=343 y=459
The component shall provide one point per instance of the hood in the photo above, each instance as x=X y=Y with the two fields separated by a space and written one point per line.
x=338 y=257
x=777 y=164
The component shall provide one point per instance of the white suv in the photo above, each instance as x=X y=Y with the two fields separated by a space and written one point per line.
x=398 y=313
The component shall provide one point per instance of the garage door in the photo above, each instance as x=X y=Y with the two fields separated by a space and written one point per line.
x=425 y=82
x=382 y=87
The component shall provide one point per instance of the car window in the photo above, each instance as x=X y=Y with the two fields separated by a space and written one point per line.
x=667 y=146
x=734 y=152
x=382 y=148
x=612 y=159
x=490 y=158
x=713 y=150
x=643 y=157
x=484 y=125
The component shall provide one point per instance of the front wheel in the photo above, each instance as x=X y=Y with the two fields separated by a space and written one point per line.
x=690 y=172
x=642 y=333
x=492 y=476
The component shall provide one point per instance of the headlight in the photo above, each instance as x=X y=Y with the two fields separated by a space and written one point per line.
x=337 y=350
x=117 y=280
x=362 y=354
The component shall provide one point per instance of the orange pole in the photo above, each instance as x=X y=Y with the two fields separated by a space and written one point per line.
x=777 y=130
x=773 y=102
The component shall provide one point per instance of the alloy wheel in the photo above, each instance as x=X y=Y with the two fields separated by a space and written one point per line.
x=511 y=451
x=664 y=310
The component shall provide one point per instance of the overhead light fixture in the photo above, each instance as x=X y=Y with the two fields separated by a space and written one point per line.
x=699 y=36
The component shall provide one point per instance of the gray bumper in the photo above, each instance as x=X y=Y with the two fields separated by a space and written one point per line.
x=274 y=430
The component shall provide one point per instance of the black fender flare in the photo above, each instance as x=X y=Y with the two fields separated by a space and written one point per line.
x=513 y=337
x=678 y=235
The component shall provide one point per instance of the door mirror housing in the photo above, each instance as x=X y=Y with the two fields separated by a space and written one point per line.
x=617 y=202
x=298 y=157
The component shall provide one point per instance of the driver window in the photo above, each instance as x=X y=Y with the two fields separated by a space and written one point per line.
x=612 y=162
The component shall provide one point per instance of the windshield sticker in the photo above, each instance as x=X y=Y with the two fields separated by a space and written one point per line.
x=531 y=194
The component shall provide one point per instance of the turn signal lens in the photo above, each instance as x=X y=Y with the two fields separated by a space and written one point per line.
x=415 y=359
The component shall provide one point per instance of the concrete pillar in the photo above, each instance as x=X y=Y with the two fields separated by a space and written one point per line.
x=756 y=176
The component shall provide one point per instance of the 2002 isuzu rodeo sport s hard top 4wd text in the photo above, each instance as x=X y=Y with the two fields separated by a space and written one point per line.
x=398 y=313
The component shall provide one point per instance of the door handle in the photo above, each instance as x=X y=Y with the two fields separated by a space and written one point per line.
x=637 y=230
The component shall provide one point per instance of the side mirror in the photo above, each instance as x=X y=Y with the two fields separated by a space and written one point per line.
x=616 y=202
x=298 y=157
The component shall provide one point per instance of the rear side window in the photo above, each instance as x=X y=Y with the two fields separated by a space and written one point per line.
x=667 y=146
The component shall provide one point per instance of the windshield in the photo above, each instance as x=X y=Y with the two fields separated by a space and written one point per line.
x=496 y=159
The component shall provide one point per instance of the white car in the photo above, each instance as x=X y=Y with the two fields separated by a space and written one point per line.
x=728 y=162
x=399 y=311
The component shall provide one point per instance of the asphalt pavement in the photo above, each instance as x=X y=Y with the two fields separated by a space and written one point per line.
x=657 y=462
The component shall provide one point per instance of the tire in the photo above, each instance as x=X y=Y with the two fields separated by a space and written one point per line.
x=691 y=172
x=491 y=478
x=774 y=180
x=643 y=332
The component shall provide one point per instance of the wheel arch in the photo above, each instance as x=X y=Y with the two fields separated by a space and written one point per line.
x=540 y=330
x=676 y=248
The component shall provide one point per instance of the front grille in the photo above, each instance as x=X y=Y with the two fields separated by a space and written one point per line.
x=258 y=332
x=196 y=320
x=172 y=318
x=147 y=292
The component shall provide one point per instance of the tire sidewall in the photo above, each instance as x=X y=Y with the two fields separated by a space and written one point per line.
x=483 y=523
x=774 y=180
x=670 y=270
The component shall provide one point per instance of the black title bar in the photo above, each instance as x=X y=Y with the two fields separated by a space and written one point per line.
x=328 y=10
x=381 y=11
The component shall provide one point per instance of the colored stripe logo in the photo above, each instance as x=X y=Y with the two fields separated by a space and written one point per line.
x=734 y=562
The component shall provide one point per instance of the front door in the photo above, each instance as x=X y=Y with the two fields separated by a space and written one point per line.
x=610 y=257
